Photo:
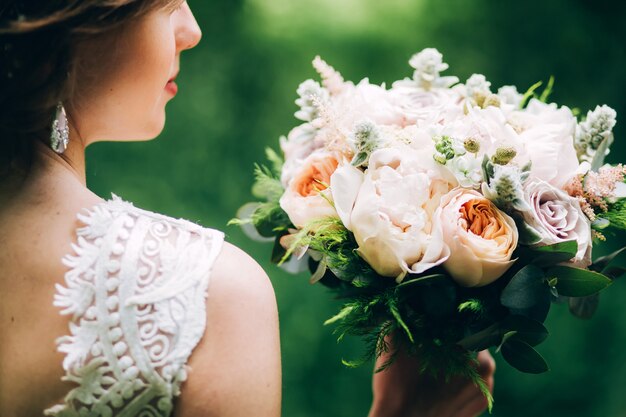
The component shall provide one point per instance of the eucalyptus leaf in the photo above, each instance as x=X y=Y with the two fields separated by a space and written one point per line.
x=517 y=327
x=554 y=254
x=539 y=311
x=578 y=282
x=612 y=265
x=584 y=307
x=523 y=357
x=525 y=289
x=527 y=330
x=278 y=252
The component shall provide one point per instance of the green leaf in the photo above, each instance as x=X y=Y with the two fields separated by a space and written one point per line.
x=266 y=185
x=598 y=158
x=396 y=315
x=584 y=307
x=578 y=282
x=525 y=289
x=275 y=159
x=554 y=254
x=270 y=219
x=548 y=90
x=527 y=330
x=278 y=252
x=612 y=265
x=359 y=159
x=345 y=312
x=523 y=357
x=529 y=93
x=427 y=279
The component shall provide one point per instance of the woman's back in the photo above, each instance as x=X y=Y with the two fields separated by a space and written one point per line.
x=136 y=349
x=36 y=231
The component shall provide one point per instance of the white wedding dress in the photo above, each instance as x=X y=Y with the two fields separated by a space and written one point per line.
x=136 y=289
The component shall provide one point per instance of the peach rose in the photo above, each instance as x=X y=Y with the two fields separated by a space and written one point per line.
x=481 y=237
x=307 y=196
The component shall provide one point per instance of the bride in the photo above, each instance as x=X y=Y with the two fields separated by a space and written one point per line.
x=103 y=306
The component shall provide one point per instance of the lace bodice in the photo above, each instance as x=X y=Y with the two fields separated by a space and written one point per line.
x=136 y=290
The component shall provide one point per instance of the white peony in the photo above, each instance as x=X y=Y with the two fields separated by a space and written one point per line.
x=547 y=132
x=557 y=217
x=391 y=217
x=481 y=237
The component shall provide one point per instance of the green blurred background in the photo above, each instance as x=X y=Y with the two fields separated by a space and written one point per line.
x=237 y=92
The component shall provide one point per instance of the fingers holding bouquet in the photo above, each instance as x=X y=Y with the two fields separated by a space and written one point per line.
x=405 y=389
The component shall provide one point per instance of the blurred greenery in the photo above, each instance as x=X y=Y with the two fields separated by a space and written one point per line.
x=237 y=90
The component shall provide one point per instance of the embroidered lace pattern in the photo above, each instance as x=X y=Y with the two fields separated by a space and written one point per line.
x=136 y=289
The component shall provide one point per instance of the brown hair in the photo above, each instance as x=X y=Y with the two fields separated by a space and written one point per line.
x=38 y=40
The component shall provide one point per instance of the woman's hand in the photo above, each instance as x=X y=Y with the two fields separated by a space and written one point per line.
x=402 y=391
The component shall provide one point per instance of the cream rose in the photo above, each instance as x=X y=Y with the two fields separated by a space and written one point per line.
x=557 y=217
x=391 y=217
x=307 y=197
x=481 y=237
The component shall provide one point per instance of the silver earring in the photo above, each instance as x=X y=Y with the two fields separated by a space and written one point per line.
x=60 y=136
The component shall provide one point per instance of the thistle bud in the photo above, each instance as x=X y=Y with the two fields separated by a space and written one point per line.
x=471 y=145
x=504 y=155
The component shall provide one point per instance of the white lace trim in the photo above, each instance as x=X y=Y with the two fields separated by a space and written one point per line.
x=136 y=290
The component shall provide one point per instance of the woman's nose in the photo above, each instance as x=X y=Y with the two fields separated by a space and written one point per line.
x=188 y=33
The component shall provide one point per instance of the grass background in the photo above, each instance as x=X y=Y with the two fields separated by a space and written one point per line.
x=237 y=92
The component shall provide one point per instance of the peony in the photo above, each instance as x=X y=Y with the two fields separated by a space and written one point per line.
x=424 y=107
x=391 y=216
x=307 y=197
x=557 y=217
x=548 y=135
x=481 y=237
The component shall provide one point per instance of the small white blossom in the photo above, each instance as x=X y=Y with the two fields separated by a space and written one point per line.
x=312 y=96
x=467 y=170
x=477 y=84
x=428 y=64
x=509 y=95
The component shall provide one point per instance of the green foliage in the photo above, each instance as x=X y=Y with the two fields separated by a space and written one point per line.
x=523 y=357
x=549 y=254
x=612 y=265
x=616 y=214
x=525 y=289
x=266 y=185
x=336 y=244
x=577 y=282
x=532 y=92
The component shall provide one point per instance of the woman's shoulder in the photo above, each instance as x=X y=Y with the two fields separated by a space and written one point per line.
x=136 y=287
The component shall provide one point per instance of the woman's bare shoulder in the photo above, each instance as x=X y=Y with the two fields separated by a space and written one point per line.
x=235 y=369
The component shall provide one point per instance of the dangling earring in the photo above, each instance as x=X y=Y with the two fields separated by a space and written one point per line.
x=60 y=136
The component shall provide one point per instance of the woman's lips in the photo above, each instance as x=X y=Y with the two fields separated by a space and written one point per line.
x=171 y=87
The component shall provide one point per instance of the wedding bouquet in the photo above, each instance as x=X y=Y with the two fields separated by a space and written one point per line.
x=447 y=217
